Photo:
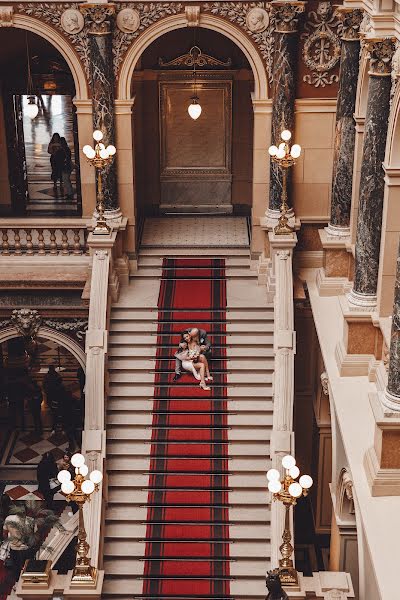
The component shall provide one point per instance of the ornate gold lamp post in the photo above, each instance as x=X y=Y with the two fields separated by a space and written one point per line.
x=288 y=491
x=79 y=490
x=285 y=157
x=99 y=157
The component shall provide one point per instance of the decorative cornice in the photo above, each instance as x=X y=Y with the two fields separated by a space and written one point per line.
x=98 y=17
x=351 y=22
x=381 y=51
x=194 y=57
x=286 y=15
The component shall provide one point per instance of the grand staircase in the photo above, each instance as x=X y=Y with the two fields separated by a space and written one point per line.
x=133 y=342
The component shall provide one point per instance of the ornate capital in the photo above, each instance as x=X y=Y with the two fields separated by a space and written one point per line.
x=98 y=17
x=286 y=15
x=351 y=21
x=381 y=52
x=325 y=383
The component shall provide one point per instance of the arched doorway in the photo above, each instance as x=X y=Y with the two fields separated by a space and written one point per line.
x=184 y=165
x=26 y=177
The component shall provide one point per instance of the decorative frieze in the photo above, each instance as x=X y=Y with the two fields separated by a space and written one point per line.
x=147 y=15
x=75 y=326
x=63 y=17
x=6 y=16
x=321 y=50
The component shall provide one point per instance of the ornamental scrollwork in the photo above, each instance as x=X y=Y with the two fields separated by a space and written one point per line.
x=51 y=13
x=195 y=57
x=148 y=14
x=237 y=13
x=321 y=50
x=76 y=326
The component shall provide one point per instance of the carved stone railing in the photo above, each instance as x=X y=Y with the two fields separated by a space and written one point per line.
x=40 y=237
x=282 y=439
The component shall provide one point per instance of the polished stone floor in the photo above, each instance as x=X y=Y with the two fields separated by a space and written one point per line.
x=55 y=116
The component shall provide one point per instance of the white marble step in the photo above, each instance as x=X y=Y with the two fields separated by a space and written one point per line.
x=134 y=568
x=235 y=465
x=179 y=251
x=240 y=273
x=151 y=314
x=117 y=349
x=128 y=447
x=126 y=418
x=239 y=497
x=127 y=529
x=127 y=325
x=243 y=514
x=146 y=261
x=235 y=481
x=139 y=377
x=146 y=406
x=148 y=364
x=138 y=391
x=231 y=339
x=235 y=434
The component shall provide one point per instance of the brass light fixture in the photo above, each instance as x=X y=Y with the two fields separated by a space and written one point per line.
x=31 y=109
x=79 y=490
x=194 y=108
x=99 y=157
x=285 y=157
x=288 y=491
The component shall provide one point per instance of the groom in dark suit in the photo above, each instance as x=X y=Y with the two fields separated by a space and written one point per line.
x=205 y=347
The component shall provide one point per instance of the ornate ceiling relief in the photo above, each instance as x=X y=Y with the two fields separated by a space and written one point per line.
x=67 y=19
x=132 y=19
x=321 y=51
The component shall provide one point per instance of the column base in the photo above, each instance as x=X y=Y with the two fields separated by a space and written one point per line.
x=112 y=216
x=337 y=231
x=390 y=402
x=362 y=301
x=272 y=217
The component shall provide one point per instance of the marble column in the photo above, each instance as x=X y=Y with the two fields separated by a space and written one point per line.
x=98 y=21
x=391 y=397
x=285 y=15
x=342 y=177
x=369 y=224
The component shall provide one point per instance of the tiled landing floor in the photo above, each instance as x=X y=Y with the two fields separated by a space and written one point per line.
x=27 y=448
x=24 y=490
x=195 y=232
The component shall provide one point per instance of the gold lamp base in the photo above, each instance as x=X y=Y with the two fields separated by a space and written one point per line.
x=288 y=576
x=84 y=576
x=283 y=227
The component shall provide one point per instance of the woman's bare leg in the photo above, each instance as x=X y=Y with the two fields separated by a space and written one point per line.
x=204 y=360
x=199 y=366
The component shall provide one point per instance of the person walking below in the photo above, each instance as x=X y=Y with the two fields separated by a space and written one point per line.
x=56 y=159
x=53 y=387
x=35 y=399
x=67 y=169
x=46 y=472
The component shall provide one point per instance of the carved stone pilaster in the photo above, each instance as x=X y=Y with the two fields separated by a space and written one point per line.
x=381 y=52
x=286 y=15
x=98 y=24
x=351 y=21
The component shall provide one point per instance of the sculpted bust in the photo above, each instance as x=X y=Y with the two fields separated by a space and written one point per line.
x=72 y=21
x=128 y=20
x=257 y=20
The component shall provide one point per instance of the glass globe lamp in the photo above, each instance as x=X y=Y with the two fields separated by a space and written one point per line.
x=194 y=109
x=97 y=135
x=273 y=475
x=96 y=477
x=295 y=490
x=288 y=461
x=31 y=109
x=286 y=135
x=78 y=460
x=306 y=481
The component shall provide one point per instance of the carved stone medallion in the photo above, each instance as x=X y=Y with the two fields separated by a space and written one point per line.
x=72 y=21
x=26 y=321
x=6 y=16
x=257 y=20
x=128 y=20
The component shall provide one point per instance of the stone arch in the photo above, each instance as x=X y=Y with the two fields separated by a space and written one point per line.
x=51 y=334
x=42 y=29
x=208 y=22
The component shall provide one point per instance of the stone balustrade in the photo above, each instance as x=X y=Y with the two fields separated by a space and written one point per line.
x=64 y=237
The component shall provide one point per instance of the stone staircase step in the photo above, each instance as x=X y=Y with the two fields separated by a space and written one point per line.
x=231 y=339
x=127 y=529
x=234 y=434
x=157 y=273
x=239 y=589
x=188 y=420
x=150 y=313
x=146 y=261
x=240 y=497
x=253 y=328
x=257 y=364
x=124 y=512
x=234 y=406
x=182 y=251
x=128 y=447
x=140 y=377
x=235 y=481
x=135 y=464
x=118 y=349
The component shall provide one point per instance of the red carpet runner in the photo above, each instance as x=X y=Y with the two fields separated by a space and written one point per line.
x=187 y=550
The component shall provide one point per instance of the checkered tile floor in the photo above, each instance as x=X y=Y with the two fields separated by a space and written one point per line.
x=25 y=490
x=27 y=448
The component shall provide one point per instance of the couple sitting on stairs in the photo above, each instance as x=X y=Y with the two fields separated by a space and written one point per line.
x=194 y=349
